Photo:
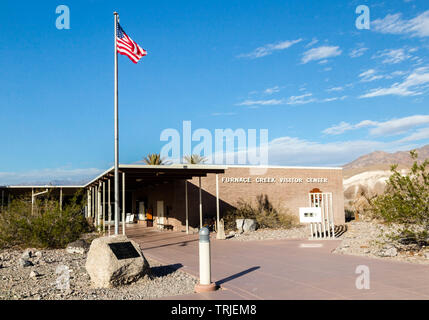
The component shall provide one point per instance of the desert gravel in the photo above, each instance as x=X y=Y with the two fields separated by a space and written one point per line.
x=301 y=232
x=369 y=239
x=39 y=282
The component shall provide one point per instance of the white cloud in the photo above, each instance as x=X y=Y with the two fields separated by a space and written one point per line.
x=271 y=102
x=355 y=53
x=292 y=100
x=390 y=127
x=320 y=53
x=420 y=134
x=393 y=56
x=399 y=126
x=296 y=151
x=302 y=99
x=312 y=43
x=269 y=49
x=333 y=99
x=369 y=75
x=394 y=24
x=411 y=86
x=272 y=90
x=46 y=176
x=335 y=89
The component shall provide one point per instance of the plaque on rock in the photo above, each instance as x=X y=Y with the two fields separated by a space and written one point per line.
x=124 y=250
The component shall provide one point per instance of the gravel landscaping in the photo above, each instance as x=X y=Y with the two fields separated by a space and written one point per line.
x=33 y=275
x=301 y=232
x=368 y=239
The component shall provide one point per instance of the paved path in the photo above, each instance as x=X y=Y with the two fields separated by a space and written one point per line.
x=284 y=269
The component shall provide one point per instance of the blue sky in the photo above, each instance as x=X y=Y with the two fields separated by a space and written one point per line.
x=327 y=91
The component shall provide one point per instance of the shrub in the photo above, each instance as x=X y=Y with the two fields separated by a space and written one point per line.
x=405 y=202
x=46 y=227
x=264 y=212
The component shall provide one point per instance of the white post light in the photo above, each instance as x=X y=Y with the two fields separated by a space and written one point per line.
x=205 y=284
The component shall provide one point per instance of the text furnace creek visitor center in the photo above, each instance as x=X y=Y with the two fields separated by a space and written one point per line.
x=183 y=197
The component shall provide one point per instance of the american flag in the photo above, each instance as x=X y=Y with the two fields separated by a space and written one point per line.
x=127 y=47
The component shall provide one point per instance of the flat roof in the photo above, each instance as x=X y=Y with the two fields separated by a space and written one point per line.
x=167 y=172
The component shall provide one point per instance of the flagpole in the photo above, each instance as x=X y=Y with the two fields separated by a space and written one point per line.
x=116 y=15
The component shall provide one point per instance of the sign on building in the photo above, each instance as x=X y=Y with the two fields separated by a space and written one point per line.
x=310 y=215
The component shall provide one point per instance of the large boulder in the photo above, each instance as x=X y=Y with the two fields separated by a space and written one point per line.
x=249 y=225
x=108 y=269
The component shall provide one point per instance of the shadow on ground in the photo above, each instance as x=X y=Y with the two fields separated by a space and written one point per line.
x=162 y=271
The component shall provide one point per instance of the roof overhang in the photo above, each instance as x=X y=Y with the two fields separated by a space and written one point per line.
x=149 y=174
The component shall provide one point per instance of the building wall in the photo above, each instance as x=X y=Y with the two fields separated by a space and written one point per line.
x=291 y=195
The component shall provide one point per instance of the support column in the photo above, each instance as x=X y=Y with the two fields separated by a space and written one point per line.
x=110 y=207
x=88 y=199
x=201 y=204
x=32 y=201
x=123 y=203
x=186 y=207
x=93 y=204
x=104 y=207
x=217 y=203
x=61 y=199
x=99 y=205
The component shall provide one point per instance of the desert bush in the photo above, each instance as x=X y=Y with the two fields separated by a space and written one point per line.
x=405 y=202
x=46 y=227
x=264 y=212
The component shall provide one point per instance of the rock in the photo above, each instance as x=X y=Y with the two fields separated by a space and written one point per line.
x=38 y=254
x=249 y=225
x=426 y=255
x=34 y=274
x=107 y=271
x=388 y=251
x=78 y=246
x=27 y=254
x=220 y=235
x=25 y=263
x=239 y=223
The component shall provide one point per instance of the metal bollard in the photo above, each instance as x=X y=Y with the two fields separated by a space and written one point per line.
x=205 y=284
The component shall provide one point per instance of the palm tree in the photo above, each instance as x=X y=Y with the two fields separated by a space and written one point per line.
x=154 y=159
x=195 y=159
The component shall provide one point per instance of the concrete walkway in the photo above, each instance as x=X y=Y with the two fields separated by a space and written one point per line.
x=284 y=269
